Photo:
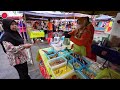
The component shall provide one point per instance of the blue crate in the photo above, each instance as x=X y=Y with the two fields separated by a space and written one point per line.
x=49 y=51
x=75 y=60
x=68 y=56
x=64 y=53
x=80 y=74
x=88 y=62
x=48 y=56
x=85 y=76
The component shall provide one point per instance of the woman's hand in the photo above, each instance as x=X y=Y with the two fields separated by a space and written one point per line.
x=27 y=45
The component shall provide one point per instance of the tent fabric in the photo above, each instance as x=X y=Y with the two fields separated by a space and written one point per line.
x=61 y=16
x=104 y=17
x=47 y=15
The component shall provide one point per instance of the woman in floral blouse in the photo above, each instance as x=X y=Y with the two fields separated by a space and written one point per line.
x=13 y=45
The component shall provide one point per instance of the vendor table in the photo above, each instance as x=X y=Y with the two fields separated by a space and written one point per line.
x=112 y=55
x=44 y=68
x=46 y=71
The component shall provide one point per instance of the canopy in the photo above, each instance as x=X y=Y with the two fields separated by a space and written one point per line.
x=15 y=17
x=110 y=13
x=29 y=14
x=104 y=17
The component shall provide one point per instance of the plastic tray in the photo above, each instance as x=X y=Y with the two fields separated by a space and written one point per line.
x=76 y=73
x=85 y=75
x=49 y=56
x=77 y=62
x=88 y=62
x=57 y=59
x=49 y=51
x=63 y=75
x=68 y=57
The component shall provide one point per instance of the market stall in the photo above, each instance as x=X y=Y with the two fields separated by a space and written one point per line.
x=103 y=25
x=65 y=66
x=62 y=63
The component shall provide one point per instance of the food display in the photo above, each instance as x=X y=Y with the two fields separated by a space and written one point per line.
x=95 y=67
x=63 y=64
x=74 y=77
x=77 y=65
x=53 y=56
x=56 y=62
x=62 y=70
x=89 y=74
x=68 y=57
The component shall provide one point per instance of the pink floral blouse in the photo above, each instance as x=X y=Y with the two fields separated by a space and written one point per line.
x=16 y=54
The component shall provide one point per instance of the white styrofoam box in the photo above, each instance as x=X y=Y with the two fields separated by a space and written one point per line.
x=59 y=65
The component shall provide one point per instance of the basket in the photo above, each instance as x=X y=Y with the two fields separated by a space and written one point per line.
x=53 y=63
x=87 y=73
x=77 y=65
x=75 y=75
x=62 y=72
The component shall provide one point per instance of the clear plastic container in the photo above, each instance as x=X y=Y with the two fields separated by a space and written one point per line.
x=57 y=62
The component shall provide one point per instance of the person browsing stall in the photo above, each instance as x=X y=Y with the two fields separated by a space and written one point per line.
x=13 y=45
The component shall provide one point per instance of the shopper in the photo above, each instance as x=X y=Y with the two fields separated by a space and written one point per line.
x=22 y=27
x=54 y=26
x=13 y=45
x=1 y=28
x=50 y=28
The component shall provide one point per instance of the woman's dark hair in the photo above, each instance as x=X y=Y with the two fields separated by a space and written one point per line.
x=49 y=19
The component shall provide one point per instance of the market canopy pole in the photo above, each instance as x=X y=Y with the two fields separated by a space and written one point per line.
x=30 y=51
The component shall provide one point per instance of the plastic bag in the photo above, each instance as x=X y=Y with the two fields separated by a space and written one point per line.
x=107 y=73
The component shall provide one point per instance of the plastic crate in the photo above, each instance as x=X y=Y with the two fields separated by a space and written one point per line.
x=56 y=60
x=89 y=72
x=88 y=62
x=68 y=57
x=64 y=52
x=49 y=51
x=76 y=62
x=62 y=72
x=53 y=56
x=77 y=74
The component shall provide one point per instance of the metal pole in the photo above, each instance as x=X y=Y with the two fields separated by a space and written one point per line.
x=24 y=18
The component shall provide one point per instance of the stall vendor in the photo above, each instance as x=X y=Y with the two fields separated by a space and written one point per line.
x=82 y=37
x=36 y=26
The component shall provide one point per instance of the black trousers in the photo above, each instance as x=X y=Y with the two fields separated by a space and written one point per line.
x=22 y=70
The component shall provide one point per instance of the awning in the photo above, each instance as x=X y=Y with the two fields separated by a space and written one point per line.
x=48 y=15
x=110 y=13
x=104 y=17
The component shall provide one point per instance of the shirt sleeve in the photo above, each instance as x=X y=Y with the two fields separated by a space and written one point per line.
x=11 y=48
x=72 y=33
x=84 y=40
